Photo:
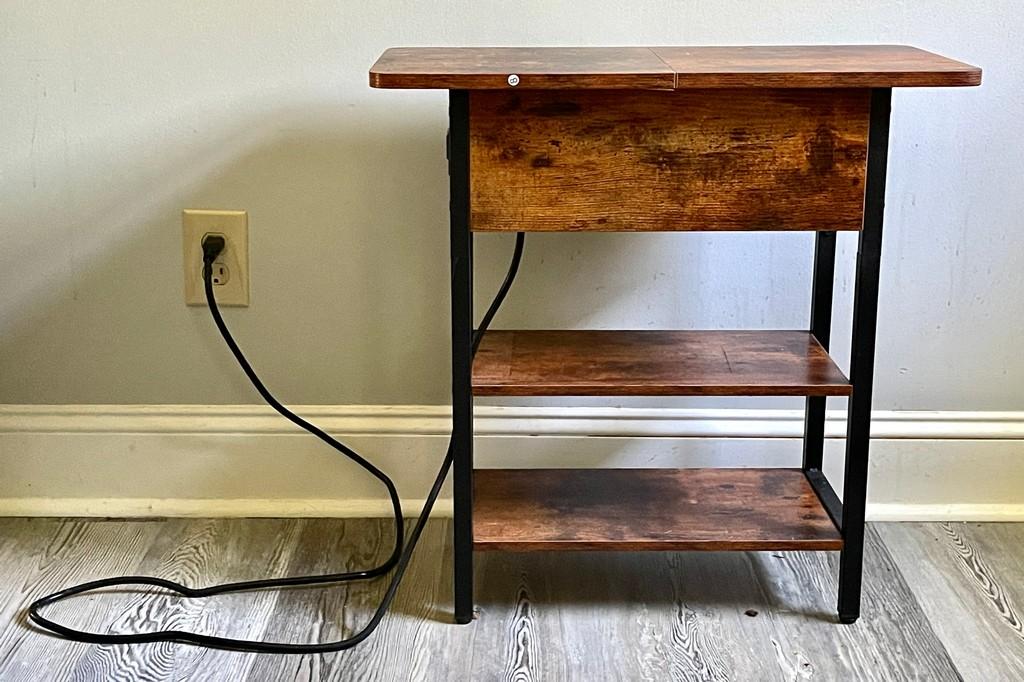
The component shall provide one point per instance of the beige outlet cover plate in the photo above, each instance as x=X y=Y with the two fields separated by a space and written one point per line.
x=234 y=225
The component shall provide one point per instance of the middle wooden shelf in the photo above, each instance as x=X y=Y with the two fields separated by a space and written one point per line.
x=680 y=363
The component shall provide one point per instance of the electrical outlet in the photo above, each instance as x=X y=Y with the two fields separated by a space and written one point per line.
x=231 y=269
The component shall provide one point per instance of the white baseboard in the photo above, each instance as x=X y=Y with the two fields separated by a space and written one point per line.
x=214 y=460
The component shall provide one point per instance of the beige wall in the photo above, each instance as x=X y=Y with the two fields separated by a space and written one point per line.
x=115 y=116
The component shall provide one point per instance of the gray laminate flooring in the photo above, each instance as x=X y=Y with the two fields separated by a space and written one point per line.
x=941 y=602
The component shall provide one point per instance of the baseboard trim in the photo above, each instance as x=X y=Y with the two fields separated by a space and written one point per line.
x=491 y=420
x=880 y=511
x=135 y=507
x=244 y=461
x=370 y=508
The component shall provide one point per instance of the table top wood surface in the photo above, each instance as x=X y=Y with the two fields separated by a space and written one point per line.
x=805 y=66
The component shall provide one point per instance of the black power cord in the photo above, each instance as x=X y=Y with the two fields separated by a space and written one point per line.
x=398 y=560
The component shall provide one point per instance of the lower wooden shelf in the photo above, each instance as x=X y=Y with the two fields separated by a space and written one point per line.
x=648 y=509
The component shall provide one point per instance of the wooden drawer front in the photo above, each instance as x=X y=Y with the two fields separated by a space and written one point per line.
x=662 y=160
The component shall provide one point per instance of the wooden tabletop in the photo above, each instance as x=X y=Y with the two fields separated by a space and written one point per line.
x=806 y=66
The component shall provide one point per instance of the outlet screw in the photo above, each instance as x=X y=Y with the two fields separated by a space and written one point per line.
x=513 y=80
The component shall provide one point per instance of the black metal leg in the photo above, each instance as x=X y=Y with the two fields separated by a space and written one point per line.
x=865 y=316
x=462 y=340
x=821 y=327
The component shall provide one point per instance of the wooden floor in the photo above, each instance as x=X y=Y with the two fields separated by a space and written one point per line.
x=942 y=602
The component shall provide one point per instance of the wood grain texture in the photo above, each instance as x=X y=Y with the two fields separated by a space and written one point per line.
x=969 y=580
x=814 y=66
x=668 y=67
x=559 y=616
x=648 y=509
x=331 y=612
x=682 y=616
x=893 y=640
x=195 y=552
x=632 y=616
x=609 y=363
x=645 y=161
x=52 y=554
x=410 y=644
x=490 y=67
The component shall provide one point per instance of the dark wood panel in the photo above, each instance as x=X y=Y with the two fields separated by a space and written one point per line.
x=605 y=363
x=648 y=509
x=536 y=67
x=667 y=67
x=649 y=160
x=814 y=66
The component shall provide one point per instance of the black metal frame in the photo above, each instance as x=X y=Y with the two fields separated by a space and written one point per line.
x=862 y=359
x=814 y=417
x=848 y=515
x=821 y=327
x=462 y=352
